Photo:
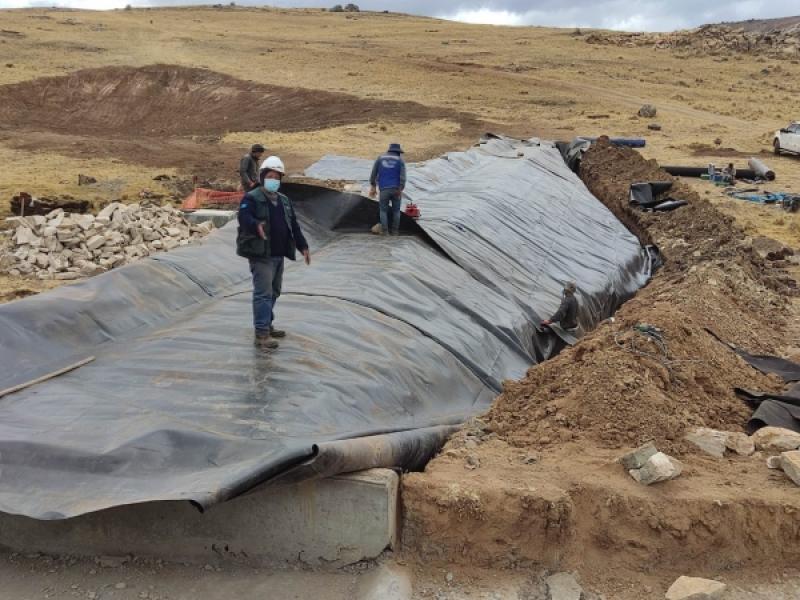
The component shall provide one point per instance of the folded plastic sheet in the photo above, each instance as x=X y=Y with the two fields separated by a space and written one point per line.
x=391 y=341
x=645 y=194
x=514 y=216
x=775 y=410
x=785 y=369
x=770 y=409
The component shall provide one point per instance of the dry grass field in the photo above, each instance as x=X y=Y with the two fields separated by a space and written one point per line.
x=521 y=81
x=309 y=82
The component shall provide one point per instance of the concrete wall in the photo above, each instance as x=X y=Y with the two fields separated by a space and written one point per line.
x=333 y=521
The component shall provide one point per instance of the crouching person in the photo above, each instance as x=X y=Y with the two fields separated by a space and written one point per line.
x=268 y=233
x=567 y=314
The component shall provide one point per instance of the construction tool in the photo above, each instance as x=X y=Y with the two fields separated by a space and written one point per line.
x=412 y=210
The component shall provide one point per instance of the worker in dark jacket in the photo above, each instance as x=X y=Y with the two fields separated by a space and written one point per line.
x=248 y=167
x=268 y=233
x=389 y=174
x=729 y=173
x=567 y=313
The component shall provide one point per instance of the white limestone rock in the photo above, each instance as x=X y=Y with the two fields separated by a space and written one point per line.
x=694 y=588
x=740 y=443
x=790 y=463
x=776 y=439
x=710 y=441
x=108 y=211
x=95 y=242
x=658 y=468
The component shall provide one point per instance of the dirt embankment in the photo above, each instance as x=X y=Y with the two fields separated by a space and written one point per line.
x=696 y=235
x=169 y=100
x=620 y=390
x=174 y=116
x=536 y=479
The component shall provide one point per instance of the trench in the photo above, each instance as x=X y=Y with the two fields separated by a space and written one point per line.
x=515 y=491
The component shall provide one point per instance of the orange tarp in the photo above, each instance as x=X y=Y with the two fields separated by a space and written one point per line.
x=203 y=198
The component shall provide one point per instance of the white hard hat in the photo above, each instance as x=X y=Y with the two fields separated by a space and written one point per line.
x=273 y=163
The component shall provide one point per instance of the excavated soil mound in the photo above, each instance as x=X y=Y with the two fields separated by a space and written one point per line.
x=619 y=389
x=167 y=116
x=168 y=100
x=536 y=480
x=697 y=234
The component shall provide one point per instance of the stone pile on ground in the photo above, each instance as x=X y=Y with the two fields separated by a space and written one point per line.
x=648 y=466
x=67 y=246
x=710 y=39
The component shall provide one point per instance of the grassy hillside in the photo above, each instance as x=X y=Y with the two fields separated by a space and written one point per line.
x=429 y=83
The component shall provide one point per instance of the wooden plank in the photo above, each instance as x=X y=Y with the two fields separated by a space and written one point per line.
x=45 y=377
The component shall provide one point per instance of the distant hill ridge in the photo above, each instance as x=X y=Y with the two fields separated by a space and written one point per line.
x=778 y=38
x=787 y=24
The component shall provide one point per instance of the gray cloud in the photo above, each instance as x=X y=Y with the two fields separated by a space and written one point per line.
x=647 y=15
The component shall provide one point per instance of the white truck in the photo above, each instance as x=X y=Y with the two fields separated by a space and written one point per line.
x=787 y=139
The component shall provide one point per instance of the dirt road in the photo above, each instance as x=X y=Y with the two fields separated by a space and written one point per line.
x=106 y=578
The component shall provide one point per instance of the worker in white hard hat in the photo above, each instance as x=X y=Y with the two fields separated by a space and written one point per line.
x=268 y=233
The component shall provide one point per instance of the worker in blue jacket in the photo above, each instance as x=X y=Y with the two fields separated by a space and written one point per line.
x=389 y=174
x=268 y=233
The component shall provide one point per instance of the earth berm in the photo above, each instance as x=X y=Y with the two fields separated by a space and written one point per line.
x=536 y=479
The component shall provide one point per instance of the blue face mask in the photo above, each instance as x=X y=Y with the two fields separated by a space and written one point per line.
x=272 y=185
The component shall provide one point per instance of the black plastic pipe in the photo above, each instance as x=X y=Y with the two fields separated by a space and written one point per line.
x=698 y=171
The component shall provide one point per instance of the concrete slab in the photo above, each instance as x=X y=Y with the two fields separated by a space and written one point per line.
x=335 y=521
x=386 y=582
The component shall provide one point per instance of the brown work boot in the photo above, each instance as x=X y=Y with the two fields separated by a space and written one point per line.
x=277 y=333
x=265 y=341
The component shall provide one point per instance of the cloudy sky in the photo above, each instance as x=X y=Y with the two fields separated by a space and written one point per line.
x=643 y=15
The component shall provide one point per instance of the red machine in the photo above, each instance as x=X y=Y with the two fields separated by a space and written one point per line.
x=412 y=210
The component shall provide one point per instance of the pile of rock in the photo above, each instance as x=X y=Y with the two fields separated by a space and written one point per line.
x=710 y=40
x=68 y=246
x=718 y=443
x=781 y=444
x=648 y=466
